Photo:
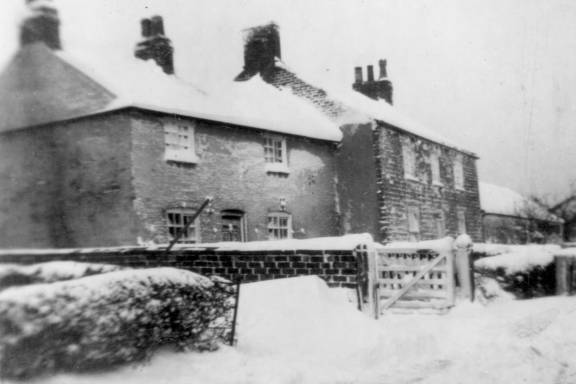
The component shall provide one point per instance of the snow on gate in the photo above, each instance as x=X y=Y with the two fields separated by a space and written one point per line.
x=412 y=277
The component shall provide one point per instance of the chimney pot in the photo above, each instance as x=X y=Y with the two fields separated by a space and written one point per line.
x=383 y=71
x=370 y=70
x=358 y=75
x=157 y=25
x=146 y=27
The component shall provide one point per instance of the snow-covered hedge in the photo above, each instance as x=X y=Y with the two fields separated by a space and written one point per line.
x=108 y=319
x=14 y=275
x=526 y=271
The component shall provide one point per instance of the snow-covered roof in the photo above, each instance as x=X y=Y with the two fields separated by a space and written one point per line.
x=354 y=107
x=505 y=201
x=251 y=103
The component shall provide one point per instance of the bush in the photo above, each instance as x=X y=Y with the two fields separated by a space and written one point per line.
x=108 y=319
x=13 y=275
x=537 y=281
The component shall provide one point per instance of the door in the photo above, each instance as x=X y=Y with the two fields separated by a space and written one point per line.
x=233 y=225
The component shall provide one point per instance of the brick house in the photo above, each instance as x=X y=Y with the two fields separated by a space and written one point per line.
x=566 y=209
x=117 y=151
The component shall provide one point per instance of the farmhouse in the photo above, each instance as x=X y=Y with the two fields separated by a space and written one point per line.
x=104 y=151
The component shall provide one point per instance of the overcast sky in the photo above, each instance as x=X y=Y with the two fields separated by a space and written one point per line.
x=497 y=76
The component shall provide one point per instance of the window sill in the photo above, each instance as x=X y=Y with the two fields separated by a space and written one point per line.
x=412 y=178
x=179 y=157
x=437 y=184
x=460 y=189
x=277 y=168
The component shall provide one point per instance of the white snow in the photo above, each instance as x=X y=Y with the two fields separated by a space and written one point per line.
x=516 y=258
x=339 y=243
x=505 y=201
x=58 y=270
x=297 y=331
x=252 y=103
x=98 y=284
x=440 y=245
x=566 y=252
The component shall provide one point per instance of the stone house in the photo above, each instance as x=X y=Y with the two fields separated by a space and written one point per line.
x=510 y=218
x=119 y=151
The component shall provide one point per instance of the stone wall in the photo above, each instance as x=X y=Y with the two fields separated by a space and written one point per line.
x=337 y=267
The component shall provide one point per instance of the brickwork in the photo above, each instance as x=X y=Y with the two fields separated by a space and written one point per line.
x=231 y=168
x=396 y=193
x=337 y=268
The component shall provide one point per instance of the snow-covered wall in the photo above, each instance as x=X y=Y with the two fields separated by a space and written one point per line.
x=337 y=267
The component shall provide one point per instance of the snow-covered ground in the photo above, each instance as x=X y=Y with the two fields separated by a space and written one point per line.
x=299 y=331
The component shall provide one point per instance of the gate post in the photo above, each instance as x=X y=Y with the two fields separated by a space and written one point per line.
x=463 y=263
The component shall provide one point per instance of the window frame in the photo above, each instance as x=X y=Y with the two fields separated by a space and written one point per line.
x=413 y=218
x=180 y=142
x=195 y=226
x=458 y=170
x=275 y=162
x=435 y=168
x=409 y=160
x=278 y=226
x=440 y=223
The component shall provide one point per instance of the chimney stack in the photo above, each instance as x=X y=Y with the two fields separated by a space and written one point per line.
x=383 y=71
x=155 y=45
x=358 y=75
x=261 y=48
x=380 y=89
x=41 y=25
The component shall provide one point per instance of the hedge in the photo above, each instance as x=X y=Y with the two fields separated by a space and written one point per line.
x=98 y=321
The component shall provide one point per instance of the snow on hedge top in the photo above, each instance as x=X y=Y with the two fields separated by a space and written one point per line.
x=136 y=278
x=253 y=103
x=566 y=252
x=519 y=258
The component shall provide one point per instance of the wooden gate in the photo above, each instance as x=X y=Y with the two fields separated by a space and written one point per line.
x=406 y=279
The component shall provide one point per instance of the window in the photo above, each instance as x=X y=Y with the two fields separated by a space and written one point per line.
x=435 y=166
x=279 y=226
x=409 y=159
x=461 y=216
x=233 y=225
x=440 y=224
x=458 y=173
x=414 y=223
x=275 y=154
x=179 y=141
x=177 y=220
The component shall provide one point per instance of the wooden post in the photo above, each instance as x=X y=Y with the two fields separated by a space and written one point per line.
x=563 y=275
x=373 y=281
x=463 y=263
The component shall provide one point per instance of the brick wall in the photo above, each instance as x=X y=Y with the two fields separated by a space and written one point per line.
x=396 y=193
x=231 y=168
x=337 y=268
